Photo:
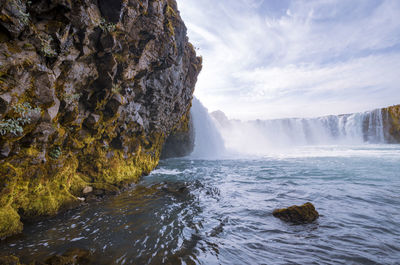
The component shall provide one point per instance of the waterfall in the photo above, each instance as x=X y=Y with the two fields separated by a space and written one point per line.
x=208 y=140
x=348 y=129
x=375 y=133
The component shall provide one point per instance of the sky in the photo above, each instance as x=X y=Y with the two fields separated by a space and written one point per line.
x=266 y=59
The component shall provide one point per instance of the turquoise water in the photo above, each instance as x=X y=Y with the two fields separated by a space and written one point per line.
x=192 y=211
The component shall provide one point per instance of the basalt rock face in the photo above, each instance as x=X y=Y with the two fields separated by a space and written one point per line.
x=180 y=142
x=88 y=92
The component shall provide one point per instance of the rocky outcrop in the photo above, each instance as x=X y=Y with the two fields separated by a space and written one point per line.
x=391 y=123
x=88 y=92
x=180 y=142
x=305 y=213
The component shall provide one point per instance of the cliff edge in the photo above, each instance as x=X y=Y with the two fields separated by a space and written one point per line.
x=391 y=123
x=89 y=90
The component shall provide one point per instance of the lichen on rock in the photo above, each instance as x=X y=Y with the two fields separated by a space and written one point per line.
x=105 y=82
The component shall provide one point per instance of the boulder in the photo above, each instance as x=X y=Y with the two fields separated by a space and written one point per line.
x=305 y=213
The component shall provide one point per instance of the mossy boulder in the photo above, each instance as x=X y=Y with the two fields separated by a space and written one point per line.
x=305 y=213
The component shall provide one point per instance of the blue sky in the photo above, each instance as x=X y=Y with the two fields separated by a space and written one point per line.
x=290 y=58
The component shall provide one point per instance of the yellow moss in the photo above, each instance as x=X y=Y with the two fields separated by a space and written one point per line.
x=170 y=11
x=9 y=222
x=13 y=47
x=33 y=188
x=171 y=28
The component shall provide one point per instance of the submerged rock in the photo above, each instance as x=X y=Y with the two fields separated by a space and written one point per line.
x=71 y=257
x=305 y=213
x=9 y=260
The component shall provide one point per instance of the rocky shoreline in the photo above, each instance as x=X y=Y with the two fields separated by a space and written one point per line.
x=89 y=91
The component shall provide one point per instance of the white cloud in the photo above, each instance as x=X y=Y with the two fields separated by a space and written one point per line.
x=315 y=58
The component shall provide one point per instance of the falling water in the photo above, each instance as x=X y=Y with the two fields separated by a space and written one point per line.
x=375 y=132
x=348 y=129
x=208 y=140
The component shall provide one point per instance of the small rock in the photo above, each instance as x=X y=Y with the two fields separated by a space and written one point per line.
x=87 y=190
x=52 y=112
x=5 y=150
x=91 y=121
x=305 y=213
x=81 y=199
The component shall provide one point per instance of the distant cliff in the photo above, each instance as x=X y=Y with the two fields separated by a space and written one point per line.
x=89 y=90
x=391 y=123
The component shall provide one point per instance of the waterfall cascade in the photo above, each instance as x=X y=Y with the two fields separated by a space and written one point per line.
x=208 y=140
x=348 y=129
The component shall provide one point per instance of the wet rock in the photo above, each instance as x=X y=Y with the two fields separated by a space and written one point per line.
x=99 y=192
x=71 y=257
x=87 y=190
x=180 y=142
x=305 y=213
x=9 y=260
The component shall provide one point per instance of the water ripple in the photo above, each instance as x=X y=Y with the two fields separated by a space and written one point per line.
x=220 y=212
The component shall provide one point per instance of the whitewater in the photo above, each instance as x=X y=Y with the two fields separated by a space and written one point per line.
x=215 y=206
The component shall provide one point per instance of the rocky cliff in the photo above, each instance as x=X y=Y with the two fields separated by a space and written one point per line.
x=391 y=123
x=181 y=141
x=89 y=90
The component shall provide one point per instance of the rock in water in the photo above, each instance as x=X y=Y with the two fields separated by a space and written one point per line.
x=72 y=256
x=89 y=90
x=9 y=260
x=305 y=213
